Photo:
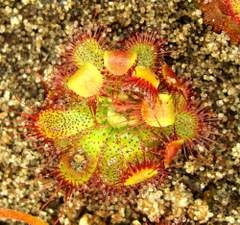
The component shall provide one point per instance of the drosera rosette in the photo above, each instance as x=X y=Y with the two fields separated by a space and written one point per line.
x=108 y=113
x=223 y=15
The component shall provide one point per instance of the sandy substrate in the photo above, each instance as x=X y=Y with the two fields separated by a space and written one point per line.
x=199 y=190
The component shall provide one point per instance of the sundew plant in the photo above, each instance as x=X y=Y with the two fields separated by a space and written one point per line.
x=115 y=118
